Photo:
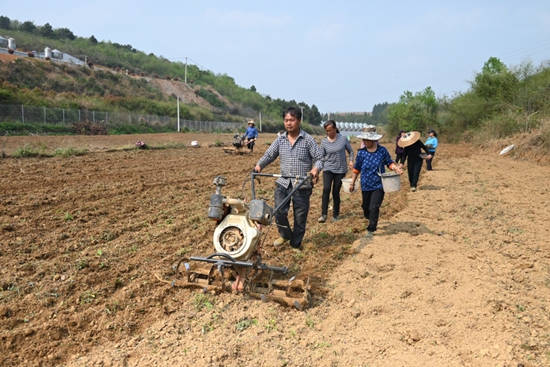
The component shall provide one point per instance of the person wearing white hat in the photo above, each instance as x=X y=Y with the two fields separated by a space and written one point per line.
x=251 y=135
x=368 y=162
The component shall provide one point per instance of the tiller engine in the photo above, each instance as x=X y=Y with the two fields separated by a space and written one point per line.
x=237 y=239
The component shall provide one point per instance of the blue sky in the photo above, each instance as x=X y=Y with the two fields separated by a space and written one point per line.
x=341 y=56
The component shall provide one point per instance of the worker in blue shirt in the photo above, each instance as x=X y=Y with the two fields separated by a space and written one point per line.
x=431 y=144
x=251 y=135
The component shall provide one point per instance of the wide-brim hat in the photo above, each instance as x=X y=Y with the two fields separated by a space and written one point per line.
x=370 y=135
x=251 y=123
x=408 y=139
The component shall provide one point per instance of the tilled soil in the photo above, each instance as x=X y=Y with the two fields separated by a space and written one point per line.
x=456 y=275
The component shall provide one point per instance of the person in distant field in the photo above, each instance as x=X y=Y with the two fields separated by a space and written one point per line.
x=431 y=143
x=413 y=146
x=399 y=152
x=251 y=135
x=369 y=160
x=299 y=155
x=335 y=167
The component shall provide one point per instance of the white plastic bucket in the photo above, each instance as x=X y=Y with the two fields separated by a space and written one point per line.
x=346 y=182
x=391 y=181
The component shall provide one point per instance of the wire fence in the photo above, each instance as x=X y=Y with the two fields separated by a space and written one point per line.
x=45 y=115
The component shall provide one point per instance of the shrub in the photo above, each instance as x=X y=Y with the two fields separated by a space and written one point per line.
x=26 y=151
x=86 y=127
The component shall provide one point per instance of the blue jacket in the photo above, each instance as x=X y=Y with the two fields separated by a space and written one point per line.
x=432 y=140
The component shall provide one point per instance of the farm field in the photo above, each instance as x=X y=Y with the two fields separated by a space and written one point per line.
x=458 y=273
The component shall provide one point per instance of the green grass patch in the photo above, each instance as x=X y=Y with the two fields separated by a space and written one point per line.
x=69 y=152
x=26 y=151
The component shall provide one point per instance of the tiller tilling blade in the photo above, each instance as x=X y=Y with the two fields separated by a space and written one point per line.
x=259 y=282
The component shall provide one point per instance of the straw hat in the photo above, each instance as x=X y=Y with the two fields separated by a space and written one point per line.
x=408 y=139
x=251 y=122
x=370 y=135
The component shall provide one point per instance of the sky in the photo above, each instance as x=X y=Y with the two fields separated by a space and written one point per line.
x=341 y=56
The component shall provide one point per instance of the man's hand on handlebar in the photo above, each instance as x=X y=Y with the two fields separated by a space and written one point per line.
x=314 y=175
x=258 y=169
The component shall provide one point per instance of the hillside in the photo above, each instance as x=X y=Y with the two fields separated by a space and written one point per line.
x=125 y=79
x=74 y=86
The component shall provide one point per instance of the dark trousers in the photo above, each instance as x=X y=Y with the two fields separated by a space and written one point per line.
x=300 y=206
x=429 y=162
x=400 y=157
x=413 y=168
x=372 y=201
x=331 y=181
x=251 y=145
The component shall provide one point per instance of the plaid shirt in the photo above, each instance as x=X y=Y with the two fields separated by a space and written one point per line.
x=296 y=160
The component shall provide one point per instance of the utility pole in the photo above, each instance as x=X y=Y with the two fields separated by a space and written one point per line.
x=302 y=109
x=260 y=121
x=186 y=70
x=178 y=114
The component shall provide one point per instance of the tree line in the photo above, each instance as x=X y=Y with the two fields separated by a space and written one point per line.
x=501 y=101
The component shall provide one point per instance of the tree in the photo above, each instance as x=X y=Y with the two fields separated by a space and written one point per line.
x=314 y=116
x=413 y=111
x=27 y=26
x=253 y=88
x=5 y=22
x=47 y=31
x=65 y=33
x=379 y=114
x=93 y=40
x=495 y=83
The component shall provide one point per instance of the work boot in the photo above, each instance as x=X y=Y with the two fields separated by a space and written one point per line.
x=322 y=219
x=413 y=189
x=335 y=219
x=280 y=242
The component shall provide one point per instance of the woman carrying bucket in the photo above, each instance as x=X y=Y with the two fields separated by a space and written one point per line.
x=413 y=146
x=334 y=148
x=369 y=161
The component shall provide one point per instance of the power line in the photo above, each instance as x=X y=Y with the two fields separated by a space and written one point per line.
x=188 y=58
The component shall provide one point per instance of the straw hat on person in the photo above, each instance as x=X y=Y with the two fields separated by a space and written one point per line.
x=370 y=135
x=251 y=122
x=408 y=139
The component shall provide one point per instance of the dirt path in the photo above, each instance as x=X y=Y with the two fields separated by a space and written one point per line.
x=459 y=276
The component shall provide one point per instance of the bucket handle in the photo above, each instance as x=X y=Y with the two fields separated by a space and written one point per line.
x=381 y=165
